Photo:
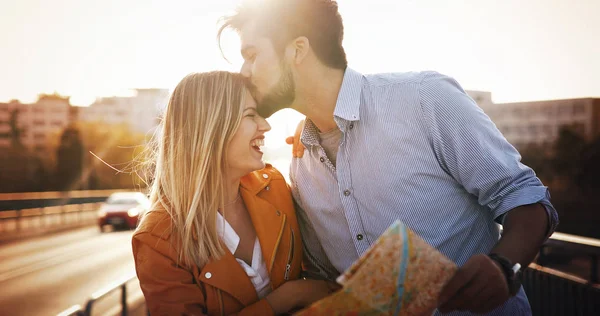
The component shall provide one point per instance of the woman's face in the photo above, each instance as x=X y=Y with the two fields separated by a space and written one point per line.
x=243 y=153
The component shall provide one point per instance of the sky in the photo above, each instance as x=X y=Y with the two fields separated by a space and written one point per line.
x=518 y=50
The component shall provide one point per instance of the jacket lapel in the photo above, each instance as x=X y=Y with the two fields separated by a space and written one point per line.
x=268 y=223
x=227 y=275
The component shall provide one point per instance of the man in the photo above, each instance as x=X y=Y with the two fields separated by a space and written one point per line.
x=408 y=146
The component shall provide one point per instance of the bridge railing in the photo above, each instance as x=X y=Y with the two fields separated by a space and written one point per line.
x=550 y=291
x=31 y=211
x=88 y=308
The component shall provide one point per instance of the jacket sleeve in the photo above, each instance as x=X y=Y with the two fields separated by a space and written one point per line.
x=170 y=289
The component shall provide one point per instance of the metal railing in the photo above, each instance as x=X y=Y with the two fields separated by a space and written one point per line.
x=40 y=210
x=575 y=246
x=78 y=310
x=552 y=292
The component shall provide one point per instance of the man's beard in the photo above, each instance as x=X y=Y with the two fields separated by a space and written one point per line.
x=280 y=97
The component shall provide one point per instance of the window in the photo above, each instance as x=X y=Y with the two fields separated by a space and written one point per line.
x=533 y=130
x=57 y=123
x=39 y=122
x=39 y=136
x=579 y=108
x=518 y=112
x=546 y=129
x=564 y=110
x=548 y=111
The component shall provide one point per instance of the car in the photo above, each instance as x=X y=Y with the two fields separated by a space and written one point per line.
x=123 y=210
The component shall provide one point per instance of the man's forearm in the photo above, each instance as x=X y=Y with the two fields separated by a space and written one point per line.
x=525 y=229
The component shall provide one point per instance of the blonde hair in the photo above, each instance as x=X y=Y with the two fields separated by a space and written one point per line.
x=202 y=116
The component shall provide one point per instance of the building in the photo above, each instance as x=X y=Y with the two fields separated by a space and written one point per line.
x=35 y=122
x=482 y=98
x=539 y=122
x=141 y=111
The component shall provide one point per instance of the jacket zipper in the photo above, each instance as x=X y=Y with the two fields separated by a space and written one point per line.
x=279 y=236
x=288 y=266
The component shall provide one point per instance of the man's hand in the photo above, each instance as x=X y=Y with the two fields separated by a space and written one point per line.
x=479 y=287
x=297 y=146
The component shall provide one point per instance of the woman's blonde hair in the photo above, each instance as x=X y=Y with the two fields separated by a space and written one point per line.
x=203 y=114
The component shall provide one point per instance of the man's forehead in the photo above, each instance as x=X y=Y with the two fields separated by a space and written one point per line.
x=248 y=33
x=252 y=36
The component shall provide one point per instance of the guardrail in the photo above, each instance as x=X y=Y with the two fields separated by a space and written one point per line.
x=40 y=210
x=573 y=245
x=552 y=292
x=549 y=291
x=78 y=310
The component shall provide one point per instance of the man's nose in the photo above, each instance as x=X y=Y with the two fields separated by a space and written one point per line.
x=245 y=70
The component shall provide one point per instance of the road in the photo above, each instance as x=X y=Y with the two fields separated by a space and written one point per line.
x=46 y=275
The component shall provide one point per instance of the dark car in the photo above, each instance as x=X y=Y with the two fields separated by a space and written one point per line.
x=122 y=210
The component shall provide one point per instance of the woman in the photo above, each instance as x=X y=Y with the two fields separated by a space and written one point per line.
x=221 y=237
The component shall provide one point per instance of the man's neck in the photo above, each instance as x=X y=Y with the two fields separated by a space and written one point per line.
x=318 y=97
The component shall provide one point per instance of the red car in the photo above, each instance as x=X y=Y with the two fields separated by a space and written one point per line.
x=122 y=210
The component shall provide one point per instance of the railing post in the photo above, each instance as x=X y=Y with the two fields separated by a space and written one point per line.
x=124 y=299
x=63 y=215
x=594 y=268
x=88 y=307
x=43 y=217
x=18 y=223
x=542 y=256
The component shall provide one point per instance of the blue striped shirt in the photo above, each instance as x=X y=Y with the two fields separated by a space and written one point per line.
x=417 y=148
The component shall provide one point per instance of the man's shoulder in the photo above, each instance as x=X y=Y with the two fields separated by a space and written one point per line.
x=411 y=78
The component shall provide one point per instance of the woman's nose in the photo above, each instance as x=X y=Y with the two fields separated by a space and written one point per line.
x=264 y=126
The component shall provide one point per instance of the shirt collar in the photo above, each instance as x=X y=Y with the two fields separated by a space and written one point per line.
x=227 y=234
x=347 y=107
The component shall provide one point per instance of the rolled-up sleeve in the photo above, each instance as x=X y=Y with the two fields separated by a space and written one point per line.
x=474 y=152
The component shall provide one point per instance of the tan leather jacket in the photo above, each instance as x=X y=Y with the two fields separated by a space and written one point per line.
x=221 y=287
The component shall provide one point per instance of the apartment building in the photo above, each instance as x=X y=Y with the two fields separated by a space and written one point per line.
x=539 y=122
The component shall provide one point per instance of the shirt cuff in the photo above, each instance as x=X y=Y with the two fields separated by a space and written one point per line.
x=526 y=196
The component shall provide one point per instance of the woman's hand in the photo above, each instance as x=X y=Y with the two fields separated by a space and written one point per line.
x=297 y=146
x=298 y=294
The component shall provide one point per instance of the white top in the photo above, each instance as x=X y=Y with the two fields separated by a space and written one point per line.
x=258 y=271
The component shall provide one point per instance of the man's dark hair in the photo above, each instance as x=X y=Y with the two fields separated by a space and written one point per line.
x=284 y=20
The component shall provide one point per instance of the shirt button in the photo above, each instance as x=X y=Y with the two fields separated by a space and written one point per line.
x=268 y=188
x=208 y=275
x=278 y=213
x=265 y=175
x=322 y=159
x=359 y=237
x=347 y=192
x=351 y=125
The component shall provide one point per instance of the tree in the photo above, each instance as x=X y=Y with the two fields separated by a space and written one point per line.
x=588 y=179
x=69 y=167
x=15 y=130
x=111 y=155
x=539 y=158
x=567 y=152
